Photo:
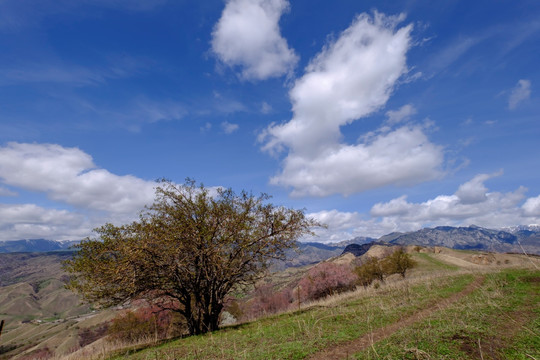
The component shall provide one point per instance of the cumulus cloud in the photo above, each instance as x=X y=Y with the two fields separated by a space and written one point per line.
x=472 y=203
x=248 y=35
x=520 y=93
x=228 y=127
x=351 y=78
x=400 y=157
x=69 y=175
x=474 y=191
x=531 y=207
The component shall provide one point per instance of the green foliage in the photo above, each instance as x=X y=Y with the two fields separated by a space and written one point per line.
x=398 y=263
x=374 y=269
x=371 y=270
x=187 y=252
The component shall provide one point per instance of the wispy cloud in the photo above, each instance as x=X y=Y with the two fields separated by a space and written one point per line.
x=19 y=14
x=520 y=93
x=229 y=128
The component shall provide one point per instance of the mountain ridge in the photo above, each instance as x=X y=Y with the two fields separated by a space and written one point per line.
x=521 y=238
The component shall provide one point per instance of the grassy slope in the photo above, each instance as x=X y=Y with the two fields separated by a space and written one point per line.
x=296 y=335
x=501 y=320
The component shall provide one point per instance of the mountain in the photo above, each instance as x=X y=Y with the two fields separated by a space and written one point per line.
x=34 y=245
x=471 y=237
x=359 y=250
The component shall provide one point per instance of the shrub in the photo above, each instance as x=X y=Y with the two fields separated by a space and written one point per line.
x=398 y=263
x=372 y=269
x=145 y=322
x=268 y=301
x=88 y=336
x=326 y=279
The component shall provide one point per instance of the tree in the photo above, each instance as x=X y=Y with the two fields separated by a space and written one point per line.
x=370 y=270
x=398 y=263
x=187 y=251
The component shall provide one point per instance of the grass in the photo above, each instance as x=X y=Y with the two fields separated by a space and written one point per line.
x=295 y=335
x=430 y=263
x=501 y=320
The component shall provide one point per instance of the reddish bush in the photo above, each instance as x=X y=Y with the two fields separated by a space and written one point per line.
x=142 y=323
x=326 y=279
x=88 y=336
x=267 y=301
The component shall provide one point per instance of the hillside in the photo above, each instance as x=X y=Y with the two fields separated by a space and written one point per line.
x=43 y=317
x=454 y=304
x=39 y=312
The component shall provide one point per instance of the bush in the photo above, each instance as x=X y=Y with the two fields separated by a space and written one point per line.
x=88 y=336
x=145 y=322
x=371 y=270
x=268 y=301
x=374 y=269
x=398 y=263
x=326 y=279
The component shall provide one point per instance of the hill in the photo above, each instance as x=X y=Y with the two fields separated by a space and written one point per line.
x=38 y=311
x=455 y=304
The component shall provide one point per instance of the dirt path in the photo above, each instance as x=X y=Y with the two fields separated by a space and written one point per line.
x=342 y=351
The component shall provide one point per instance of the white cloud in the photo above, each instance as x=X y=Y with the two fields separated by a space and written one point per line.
x=351 y=78
x=520 y=93
x=403 y=113
x=402 y=157
x=474 y=191
x=29 y=221
x=248 y=35
x=69 y=175
x=228 y=127
x=472 y=203
x=531 y=207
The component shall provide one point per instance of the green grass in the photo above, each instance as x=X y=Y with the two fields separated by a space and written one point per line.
x=430 y=263
x=501 y=320
x=296 y=335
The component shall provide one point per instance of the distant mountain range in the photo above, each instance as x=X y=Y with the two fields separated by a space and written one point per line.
x=510 y=239
x=35 y=245
x=518 y=239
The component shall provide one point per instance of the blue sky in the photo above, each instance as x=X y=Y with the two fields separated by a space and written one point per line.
x=372 y=116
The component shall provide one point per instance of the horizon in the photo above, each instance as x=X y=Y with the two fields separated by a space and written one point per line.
x=311 y=240
x=375 y=118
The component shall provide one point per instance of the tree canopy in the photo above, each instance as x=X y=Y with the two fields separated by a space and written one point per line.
x=187 y=251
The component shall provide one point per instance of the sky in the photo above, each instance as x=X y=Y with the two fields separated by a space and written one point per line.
x=372 y=116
